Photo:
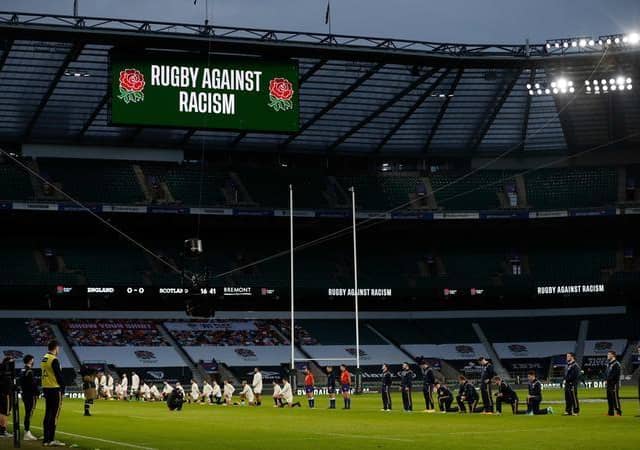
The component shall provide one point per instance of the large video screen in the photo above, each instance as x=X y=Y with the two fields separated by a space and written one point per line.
x=164 y=89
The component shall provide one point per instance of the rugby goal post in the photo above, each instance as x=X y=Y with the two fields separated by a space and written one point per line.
x=293 y=359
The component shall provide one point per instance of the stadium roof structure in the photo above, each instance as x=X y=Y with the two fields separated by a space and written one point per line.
x=358 y=95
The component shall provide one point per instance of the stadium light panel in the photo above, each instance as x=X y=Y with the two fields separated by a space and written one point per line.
x=634 y=38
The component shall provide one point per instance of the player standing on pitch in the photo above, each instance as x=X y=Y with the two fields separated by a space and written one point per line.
x=406 y=381
x=309 y=387
x=345 y=386
x=571 y=379
x=486 y=375
x=612 y=375
x=331 y=387
x=428 y=383
x=386 y=388
x=257 y=385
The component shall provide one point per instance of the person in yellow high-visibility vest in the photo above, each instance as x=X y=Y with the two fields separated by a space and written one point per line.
x=53 y=390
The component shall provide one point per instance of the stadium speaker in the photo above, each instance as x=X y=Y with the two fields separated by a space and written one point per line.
x=193 y=246
x=202 y=307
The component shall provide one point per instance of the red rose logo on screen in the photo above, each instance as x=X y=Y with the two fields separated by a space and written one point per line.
x=280 y=94
x=131 y=86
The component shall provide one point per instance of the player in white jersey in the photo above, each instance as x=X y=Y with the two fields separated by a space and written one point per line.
x=207 y=392
x=118 y=392
x=277 y=390
x=195 y=392
x=124 y=384
x=217 y=393
x=109 y=389
x=135 y=386
x=103 y=385
x=286 y=395
x=257 y=385
x=247 y=394
x=145 y=393
x=155 y=394
x=166 y=390
x=227 y=393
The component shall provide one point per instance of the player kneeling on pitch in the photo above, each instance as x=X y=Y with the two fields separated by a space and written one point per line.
x=175 y=400
x=467 y=394
x=535 y=397
x=505 y=394
x=246 y=394
x=286 y=396
x=445 y=398
x=277 y=390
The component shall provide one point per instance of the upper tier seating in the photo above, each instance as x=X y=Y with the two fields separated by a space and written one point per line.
x=183 y=181
x=14 y=183
x=572 y=187
x=94 y=181
x=477 y=191
x=270 y=187
x=380 y=192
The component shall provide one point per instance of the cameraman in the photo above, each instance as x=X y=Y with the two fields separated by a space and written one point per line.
x=30 y=393
x=7 y=371
x=88 y=375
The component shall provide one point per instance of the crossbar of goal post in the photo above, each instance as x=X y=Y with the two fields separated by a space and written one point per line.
x=292 y=293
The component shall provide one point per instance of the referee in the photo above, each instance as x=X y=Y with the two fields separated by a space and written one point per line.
x=53 y=390
x=30 y=393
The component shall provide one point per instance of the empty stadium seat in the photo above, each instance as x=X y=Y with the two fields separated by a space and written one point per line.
x=97 y=181
x=572 y=187
x=14 y=183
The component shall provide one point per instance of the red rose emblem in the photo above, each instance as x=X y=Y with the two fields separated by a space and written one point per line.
x=280 y=94
x=132 y=80
x=281 y=88
x=131 y=86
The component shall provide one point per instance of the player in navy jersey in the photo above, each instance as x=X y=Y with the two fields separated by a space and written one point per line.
x=386 y=388
x=535 y=396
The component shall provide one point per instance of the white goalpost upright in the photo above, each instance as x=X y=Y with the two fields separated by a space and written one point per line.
x=355 y=278
x=292 y=292
x=292 y=332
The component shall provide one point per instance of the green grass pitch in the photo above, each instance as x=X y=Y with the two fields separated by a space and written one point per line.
x=133 y=425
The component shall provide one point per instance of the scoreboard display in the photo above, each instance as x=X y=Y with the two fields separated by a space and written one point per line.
x=215 y=92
